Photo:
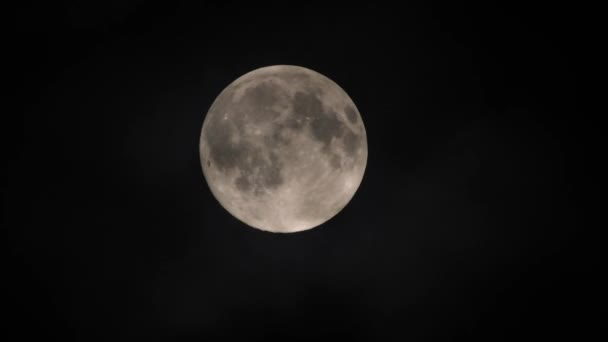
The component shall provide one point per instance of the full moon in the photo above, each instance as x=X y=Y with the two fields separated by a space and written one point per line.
x=283 y=149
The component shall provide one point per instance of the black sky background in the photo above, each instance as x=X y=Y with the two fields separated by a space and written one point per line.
x=465 y=226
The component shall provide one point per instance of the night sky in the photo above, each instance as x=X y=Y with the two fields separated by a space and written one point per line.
x=465 y=226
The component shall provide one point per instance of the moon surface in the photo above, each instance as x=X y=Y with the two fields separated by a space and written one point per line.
x=283 y=148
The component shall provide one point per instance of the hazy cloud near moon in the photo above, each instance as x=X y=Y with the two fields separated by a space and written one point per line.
x=283 y=148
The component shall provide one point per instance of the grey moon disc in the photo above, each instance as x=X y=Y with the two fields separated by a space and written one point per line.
x=283 y=148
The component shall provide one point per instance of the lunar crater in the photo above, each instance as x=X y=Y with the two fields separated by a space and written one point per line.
x=351 y=114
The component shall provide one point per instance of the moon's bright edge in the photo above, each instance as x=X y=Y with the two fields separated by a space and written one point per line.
x=283 y=148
